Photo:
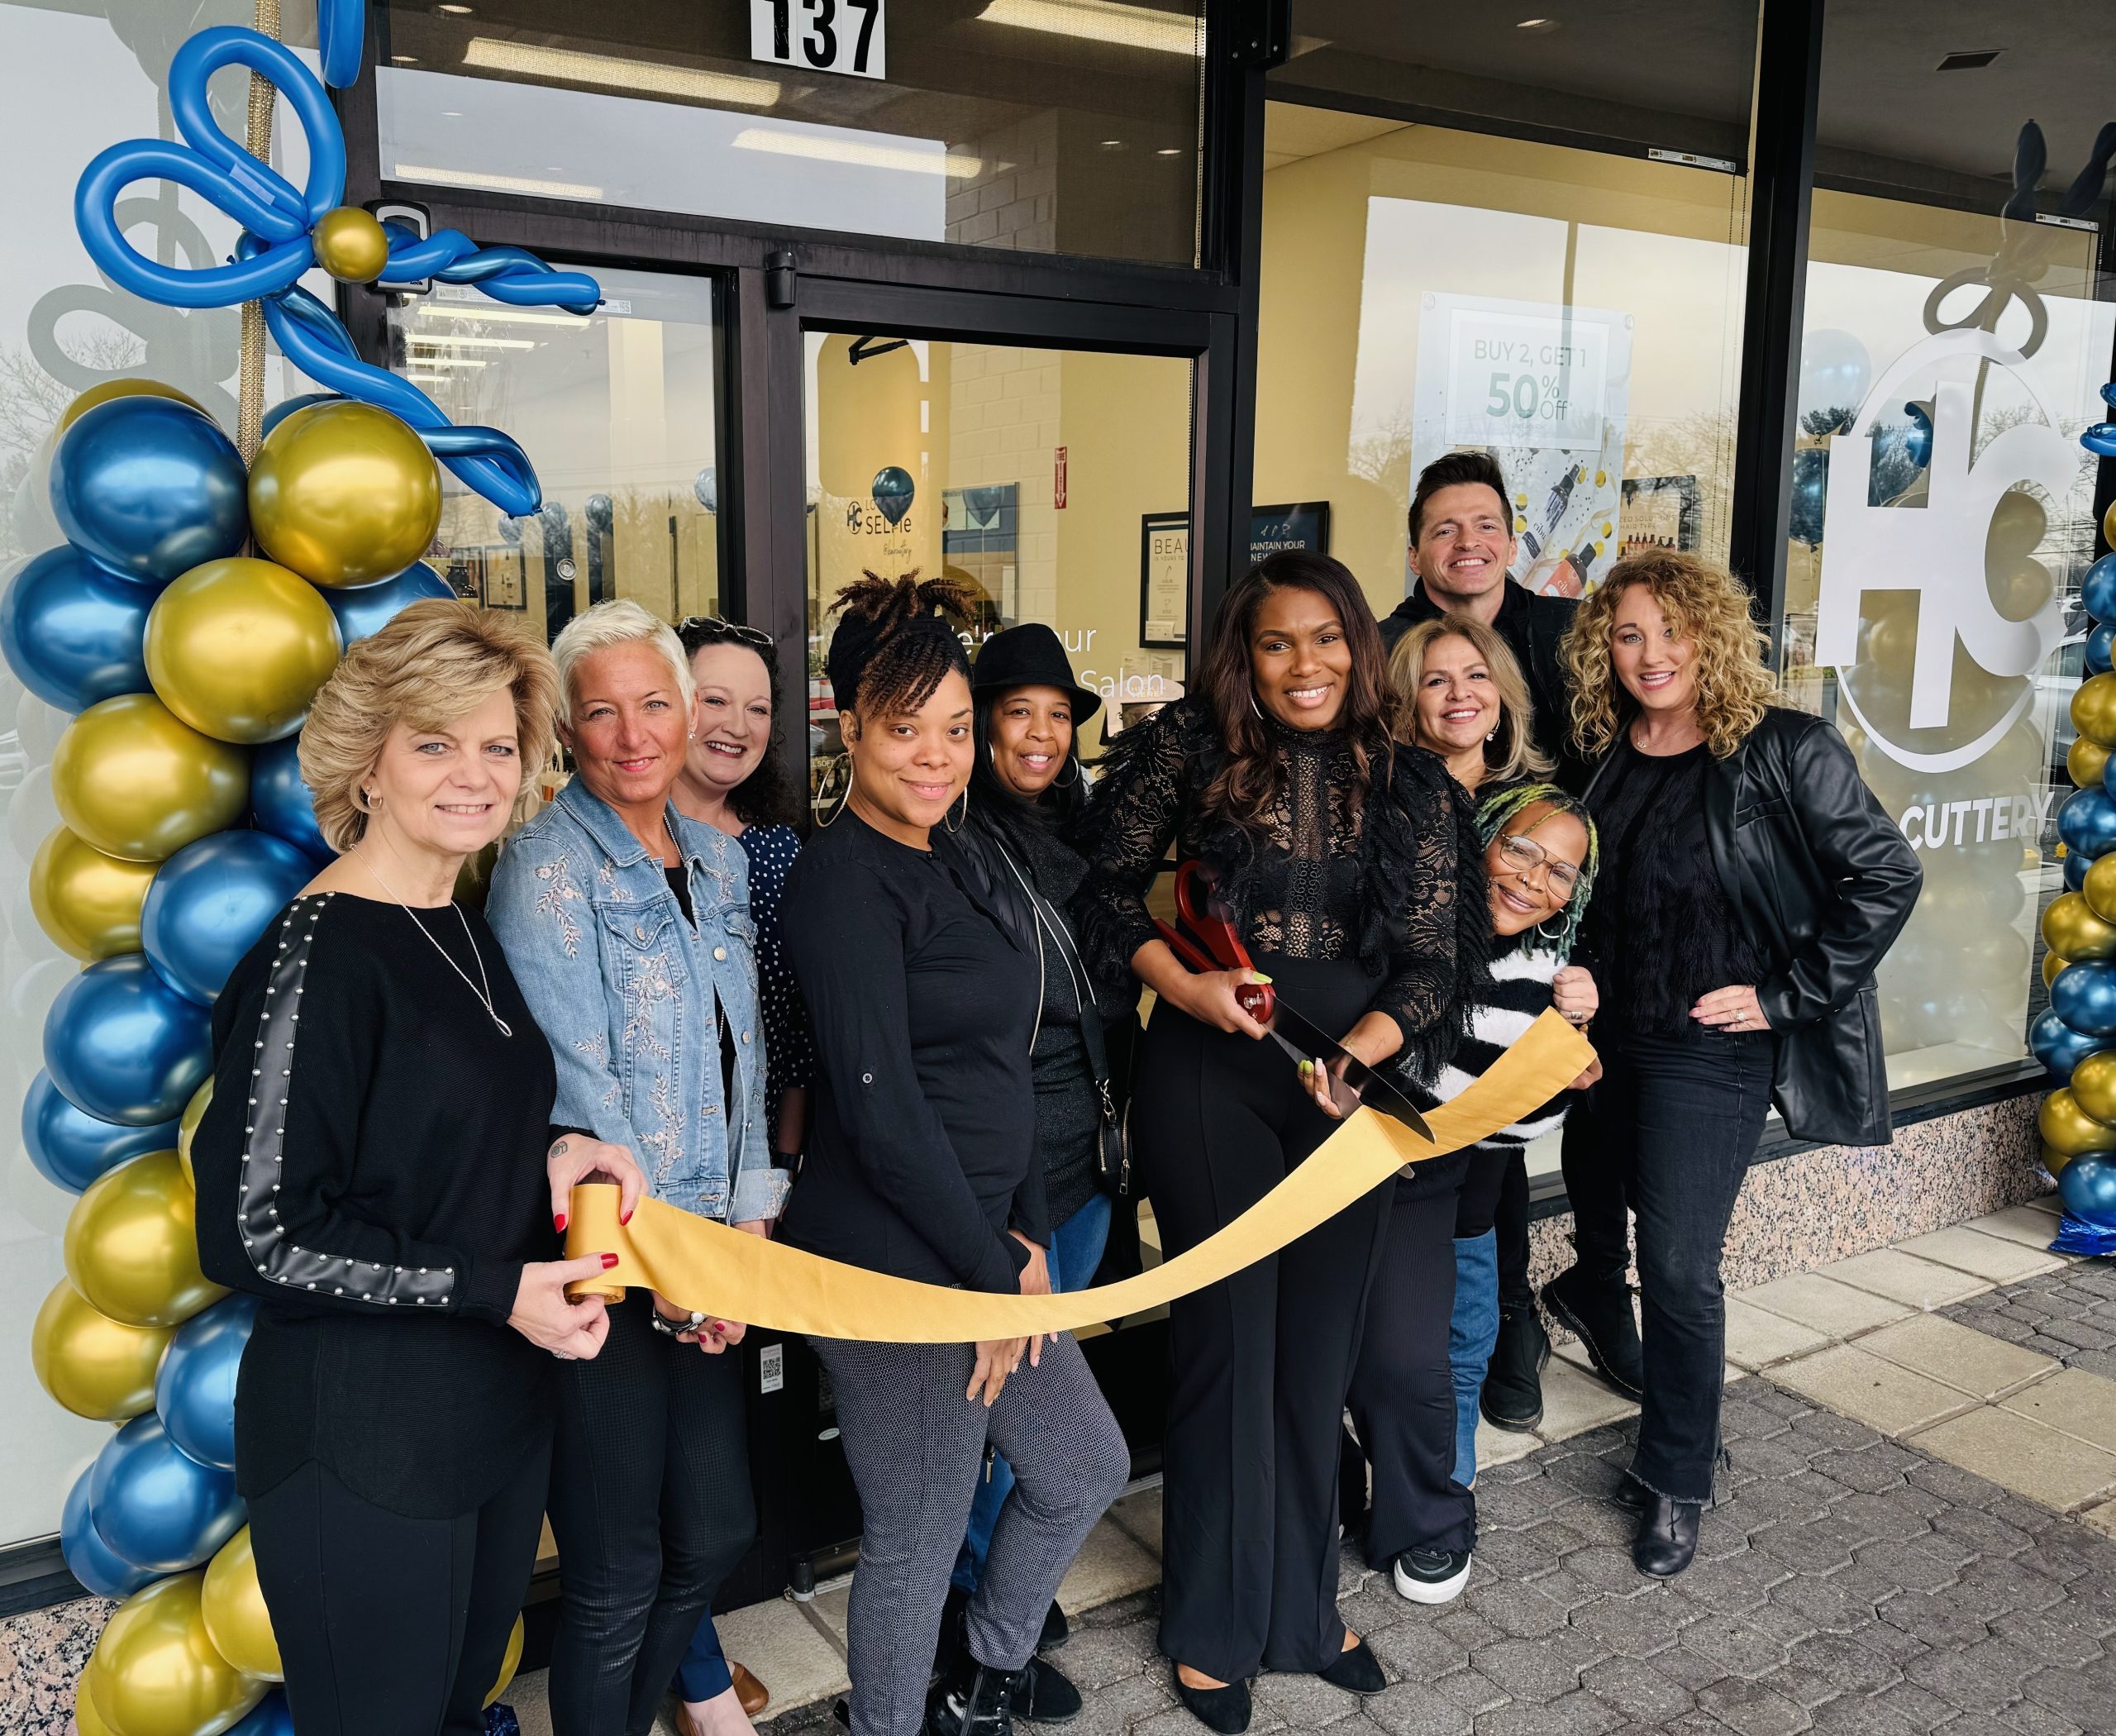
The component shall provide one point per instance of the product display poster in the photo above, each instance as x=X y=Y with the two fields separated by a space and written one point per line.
x=1545 y=389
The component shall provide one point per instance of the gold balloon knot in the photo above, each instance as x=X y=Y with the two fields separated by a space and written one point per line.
x=350 y=244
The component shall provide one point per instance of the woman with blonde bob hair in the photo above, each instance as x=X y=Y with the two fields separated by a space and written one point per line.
x=384 y=1195
x=1466 y=699
x=1749 y=886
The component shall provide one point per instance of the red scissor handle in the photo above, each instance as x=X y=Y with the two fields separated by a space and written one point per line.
x=1206 y=942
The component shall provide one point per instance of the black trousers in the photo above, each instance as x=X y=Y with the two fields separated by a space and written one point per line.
x=1671 y=1126
x=1495 y=1197
x=1258 y=1364
x=651 y=1508
x=390 y=1626
x=1403 y=1390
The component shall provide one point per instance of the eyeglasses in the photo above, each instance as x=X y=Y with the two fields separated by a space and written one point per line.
x=1524 y=855
x=735 y=630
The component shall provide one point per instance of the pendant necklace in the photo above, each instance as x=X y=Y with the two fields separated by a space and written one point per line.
x=484 y=994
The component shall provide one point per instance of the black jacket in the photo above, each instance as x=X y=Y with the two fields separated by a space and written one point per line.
x=1826 y=880
x=1533 y=626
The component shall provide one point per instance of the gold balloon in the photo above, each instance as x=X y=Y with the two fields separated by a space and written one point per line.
x=233 y=1606
x=2108 y=525
x=511 y=1662
x=2099 y=889
x=2052 y=964
x=111 y=389
x=131 y=1244
x=133 y=779
x=345 y=494
x=2093 y=1084
x=2084 y=762
x=155 y=1671
x=88 y=1721
x=2069 y=1127
x=2070 y=927
x=187 y=1129
x=2054 y=1160
x=2094 y=709
x=237 y=648
x=96 y=1366
x=350 y=244
x=86 y=901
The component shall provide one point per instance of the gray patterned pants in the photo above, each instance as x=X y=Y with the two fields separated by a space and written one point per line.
x=916 y=1447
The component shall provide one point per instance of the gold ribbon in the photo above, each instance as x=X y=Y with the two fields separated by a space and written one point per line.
x=699 y=1264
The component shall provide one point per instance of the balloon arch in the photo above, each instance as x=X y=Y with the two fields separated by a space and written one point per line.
x=203 y=594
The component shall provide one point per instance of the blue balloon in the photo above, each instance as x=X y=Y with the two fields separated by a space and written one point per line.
x=149 y=487
x=286 y=407
x=2075 y=868
x=271 y=1716
x=75 y=632
x=706 y=485
x=2087 y=1186
x=2084 y=995
x=364 y=612
x=2056 y=1044
x=71 y=1149
x=280 y=803
x=2087 y=822
x=155 y=1506
x=123 y=1045
x=2097 y=589
x=2100 y=645
x=89 y=1558
x=1918 y=437
x=893 y=491
x=194 y=1389
x=211 y=901
x=1810 y=495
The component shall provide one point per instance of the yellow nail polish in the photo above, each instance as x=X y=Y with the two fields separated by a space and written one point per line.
x=1258 y=976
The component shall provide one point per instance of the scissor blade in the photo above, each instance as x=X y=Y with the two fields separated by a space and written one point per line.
x=1304 y=1039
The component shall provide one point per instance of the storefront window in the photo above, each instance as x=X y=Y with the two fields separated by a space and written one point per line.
x=617 y=413
x=79 y=80
x=1942 y=506
x=1043 y=126
x=1054 y=483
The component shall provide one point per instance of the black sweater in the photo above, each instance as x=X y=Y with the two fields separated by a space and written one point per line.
x=923 y=1146
x=371 y=1167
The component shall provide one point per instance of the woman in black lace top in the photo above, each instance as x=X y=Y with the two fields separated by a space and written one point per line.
x=1339 y=854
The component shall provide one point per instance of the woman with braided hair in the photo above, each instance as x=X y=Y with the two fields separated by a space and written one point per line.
x=922 y=1163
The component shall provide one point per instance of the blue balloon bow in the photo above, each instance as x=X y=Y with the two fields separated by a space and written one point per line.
x=276 y=246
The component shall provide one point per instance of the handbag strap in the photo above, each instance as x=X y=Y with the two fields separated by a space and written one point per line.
x=1092 y=1037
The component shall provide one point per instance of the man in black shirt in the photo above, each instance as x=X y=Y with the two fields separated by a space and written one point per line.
x=1461 y=546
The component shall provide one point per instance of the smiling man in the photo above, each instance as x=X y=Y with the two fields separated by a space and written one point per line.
x=1461 y=532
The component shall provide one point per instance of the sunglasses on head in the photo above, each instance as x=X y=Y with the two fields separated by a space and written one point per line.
x=735 y=630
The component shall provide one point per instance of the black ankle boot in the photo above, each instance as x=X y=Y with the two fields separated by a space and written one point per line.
x=1057 y=1629
x=1047 y=1695
x=947 y=1645
x=1512 y=1396
x=1224 y=1711
x=974 y=1700
x=1667 y=1536
x=1600 y=1314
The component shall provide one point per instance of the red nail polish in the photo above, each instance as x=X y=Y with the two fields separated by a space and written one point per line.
x=558 y=1222
x=608 y=1261
x=624 y=1220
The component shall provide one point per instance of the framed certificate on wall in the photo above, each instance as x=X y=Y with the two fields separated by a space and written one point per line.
x=1164 y=580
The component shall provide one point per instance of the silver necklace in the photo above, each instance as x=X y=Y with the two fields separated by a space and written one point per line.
x=484 y=994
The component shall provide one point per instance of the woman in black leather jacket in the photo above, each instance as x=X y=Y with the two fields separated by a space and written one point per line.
x=1749 y=884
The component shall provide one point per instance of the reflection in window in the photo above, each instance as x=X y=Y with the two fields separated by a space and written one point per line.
x=616 y=412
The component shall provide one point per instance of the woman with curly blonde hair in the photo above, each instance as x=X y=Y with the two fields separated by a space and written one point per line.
x=1750 y=884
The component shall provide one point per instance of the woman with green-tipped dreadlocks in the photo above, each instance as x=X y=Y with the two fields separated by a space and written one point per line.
x=1540 y=857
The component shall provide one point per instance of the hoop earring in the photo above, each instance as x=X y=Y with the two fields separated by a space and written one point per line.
x=965 y=820
x=1062 y=783
x=825 y=795
x=1542 y=928
x=1254 y=706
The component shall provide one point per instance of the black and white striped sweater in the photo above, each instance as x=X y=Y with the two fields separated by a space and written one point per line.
x=1521 y=990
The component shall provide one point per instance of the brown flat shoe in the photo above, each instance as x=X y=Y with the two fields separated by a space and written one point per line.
x=753 y=1693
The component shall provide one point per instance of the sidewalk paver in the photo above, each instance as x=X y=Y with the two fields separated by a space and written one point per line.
x=2029 y=1225
x=1855 y=1383
x=2023 y=1455
x=1968 y=1249
x=1957 y=1356
x=1756 y=1338
x=1905 y=1278
x=2073 y=1402
x=1835 y=1311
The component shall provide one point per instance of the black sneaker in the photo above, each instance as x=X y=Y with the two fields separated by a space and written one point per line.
x=1600 y=1314
x=1431 y=1576
x=1513 y=1395
x=1045 y=1696
x=973 y=1700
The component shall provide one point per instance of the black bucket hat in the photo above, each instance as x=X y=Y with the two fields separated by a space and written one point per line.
x=1031 y=656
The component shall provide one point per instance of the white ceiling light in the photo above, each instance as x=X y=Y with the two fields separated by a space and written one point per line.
x=502 y=315
x=1099 y=21
x=642 y=78
x=456 y=342
x=447 y=362
x=495 y=183
x=823 y=149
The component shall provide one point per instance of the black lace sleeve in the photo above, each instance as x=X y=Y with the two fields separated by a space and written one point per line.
x=1428 y=862
x=1133 y=816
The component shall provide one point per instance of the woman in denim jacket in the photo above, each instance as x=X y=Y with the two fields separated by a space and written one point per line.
x=628 y=928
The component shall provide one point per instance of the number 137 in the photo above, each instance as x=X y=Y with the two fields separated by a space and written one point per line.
x=820 y=26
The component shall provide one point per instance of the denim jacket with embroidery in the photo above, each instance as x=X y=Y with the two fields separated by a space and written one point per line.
x=629 y=995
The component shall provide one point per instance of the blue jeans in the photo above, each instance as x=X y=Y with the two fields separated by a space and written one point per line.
x=1075 y=1252
x=703 y=1674
x=1472 y=1330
